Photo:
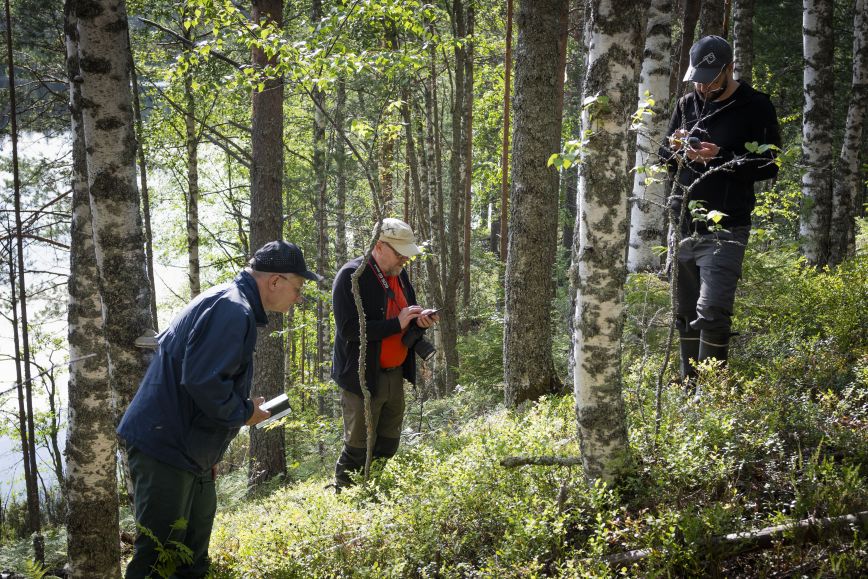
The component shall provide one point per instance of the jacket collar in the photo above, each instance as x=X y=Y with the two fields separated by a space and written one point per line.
x=247 y=285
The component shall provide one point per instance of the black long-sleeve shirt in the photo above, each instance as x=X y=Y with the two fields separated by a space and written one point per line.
x=345 y=359
x=746 y=116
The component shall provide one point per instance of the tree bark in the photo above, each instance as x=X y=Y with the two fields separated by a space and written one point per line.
x=646 y=219
x=847 y=184
x=91 y=487
x=711 y=18
x=468 y=154
x=22 y=356
x=602 y=224
x=504 y=154
x=533 y=222
x=191 y=138
x=817 y=131
x=742 y=39
x=688 y=29
x=267 y=447
x=340 y=176
x=320 y=168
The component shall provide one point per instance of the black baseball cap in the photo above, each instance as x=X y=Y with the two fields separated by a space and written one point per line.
x=282 y=257
x=708 y=56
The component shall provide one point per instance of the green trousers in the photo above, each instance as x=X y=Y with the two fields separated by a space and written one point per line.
x=164 y=494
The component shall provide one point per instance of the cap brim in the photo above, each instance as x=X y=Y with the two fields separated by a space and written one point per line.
x=701 y=75
x=311 y=276
x=406 y=249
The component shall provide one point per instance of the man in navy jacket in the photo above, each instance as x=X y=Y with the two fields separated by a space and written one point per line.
x=707 y=148
x=389 y=304
x=193 y=400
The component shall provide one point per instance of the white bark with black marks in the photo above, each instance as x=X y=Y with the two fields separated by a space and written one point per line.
x=742 y=39
x=817 y=129
x=107 y=119
x=847 y=184
x=648 y=201
x=613 y=57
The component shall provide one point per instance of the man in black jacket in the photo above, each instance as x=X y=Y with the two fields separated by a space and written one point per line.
x=393 y=325
x=715 y=154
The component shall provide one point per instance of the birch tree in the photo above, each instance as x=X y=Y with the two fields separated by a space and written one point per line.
x=107 y=121
x=599 y=259
x=817 y=127
x=847 y=183
x=742 y=39
x=646 y=217
x=90 y=486
x=533 y=221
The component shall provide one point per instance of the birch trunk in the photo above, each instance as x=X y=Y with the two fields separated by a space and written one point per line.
x=533 y=220
x=613 y=57
x=817 y=127
x=320 y=168
x=267 y=446
x=742 y=39
x=107 y=121
x=646 y=218
x=846 y=192
x=90 y=486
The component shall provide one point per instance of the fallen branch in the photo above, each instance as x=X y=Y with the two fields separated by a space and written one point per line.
x=726 y=546
x=513 y=461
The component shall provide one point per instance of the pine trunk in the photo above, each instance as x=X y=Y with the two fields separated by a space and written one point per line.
x=646 y=218
x=533 y=220
x=90 y=486
x=847 y=184
x=613 y=57
x=267 y=447
x=742 y=39
x=504 y=150
x=817 y=131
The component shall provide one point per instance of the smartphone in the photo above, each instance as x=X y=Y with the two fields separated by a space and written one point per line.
x=434 y=312
x=694 y=143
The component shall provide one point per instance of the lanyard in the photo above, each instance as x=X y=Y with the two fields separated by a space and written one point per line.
x=382 y=279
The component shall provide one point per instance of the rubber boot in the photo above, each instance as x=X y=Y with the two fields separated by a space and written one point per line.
x=714 y=345
x=689 y=351
x=352 y=460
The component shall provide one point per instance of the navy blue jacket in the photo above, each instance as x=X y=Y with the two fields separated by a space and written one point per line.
x=746 y=116
x=345 y=361
x=195 y=395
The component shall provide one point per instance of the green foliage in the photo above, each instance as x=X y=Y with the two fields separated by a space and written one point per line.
x=172 y=553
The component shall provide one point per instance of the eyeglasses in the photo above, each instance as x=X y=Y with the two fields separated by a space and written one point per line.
x=395 y=251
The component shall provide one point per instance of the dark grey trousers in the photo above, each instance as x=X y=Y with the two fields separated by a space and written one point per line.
x=164 y=494
x=709 y=267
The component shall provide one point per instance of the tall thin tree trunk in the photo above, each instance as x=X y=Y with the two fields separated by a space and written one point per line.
x=267 y=447
x=847 y=184
x=742 y=39
x=143 y=176
x=192 y=141
x=468 y=154
x=648 y=201
x=29 y=444
x=91 y=488
x=817 y=131
x=613 y=57
x=688 y=30
x=340 y=176
x=529 y=284
x=504 y=152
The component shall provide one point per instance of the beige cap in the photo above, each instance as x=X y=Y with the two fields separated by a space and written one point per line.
x=399 y=235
